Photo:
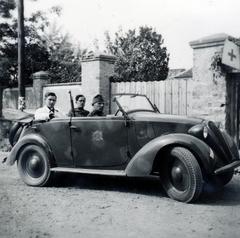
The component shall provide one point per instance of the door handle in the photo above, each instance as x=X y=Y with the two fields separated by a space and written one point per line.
x=75 y=128
x=35 y=128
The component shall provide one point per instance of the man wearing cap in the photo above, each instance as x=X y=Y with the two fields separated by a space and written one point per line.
x=79 y=110
x=48 y=111
x=98 y=106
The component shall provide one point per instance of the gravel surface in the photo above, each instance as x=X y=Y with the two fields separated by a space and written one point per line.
x=94 y=206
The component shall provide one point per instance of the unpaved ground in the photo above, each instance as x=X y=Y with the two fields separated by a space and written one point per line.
x=93 y=206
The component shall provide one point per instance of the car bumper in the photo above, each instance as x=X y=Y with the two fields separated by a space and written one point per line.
x=227 y=167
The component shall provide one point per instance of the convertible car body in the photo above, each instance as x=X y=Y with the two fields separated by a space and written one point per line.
x=137 y=140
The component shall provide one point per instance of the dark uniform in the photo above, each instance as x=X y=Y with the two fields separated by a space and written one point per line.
x=79 y=112
x=96 y=113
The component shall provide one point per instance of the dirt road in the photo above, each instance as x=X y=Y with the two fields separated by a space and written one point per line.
x=93 y=206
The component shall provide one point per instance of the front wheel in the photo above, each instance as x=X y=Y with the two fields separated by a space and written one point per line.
x=181 y=175
x=33 y=166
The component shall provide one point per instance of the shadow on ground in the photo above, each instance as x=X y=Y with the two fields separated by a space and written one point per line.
x=227 y=196
x=145 y=186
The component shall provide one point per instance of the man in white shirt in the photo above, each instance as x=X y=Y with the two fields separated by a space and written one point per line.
x=48 y=111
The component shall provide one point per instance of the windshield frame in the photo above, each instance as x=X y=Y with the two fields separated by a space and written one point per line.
x=121 y=107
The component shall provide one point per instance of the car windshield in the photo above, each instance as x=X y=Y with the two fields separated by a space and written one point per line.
x=134 y=102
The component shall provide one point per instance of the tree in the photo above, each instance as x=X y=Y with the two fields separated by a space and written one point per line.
x=36 y=54
x=52 y=52
x=65 y=58
x=140 y=55
x=6 y=7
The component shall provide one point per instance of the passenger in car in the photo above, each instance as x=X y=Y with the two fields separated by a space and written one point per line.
x=79 y=111
x=48 y=111
x=98 y=106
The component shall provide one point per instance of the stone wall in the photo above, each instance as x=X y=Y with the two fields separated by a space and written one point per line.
x=10 y=98
x=208 y=93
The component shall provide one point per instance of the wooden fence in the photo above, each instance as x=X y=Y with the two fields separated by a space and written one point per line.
x=172 y=96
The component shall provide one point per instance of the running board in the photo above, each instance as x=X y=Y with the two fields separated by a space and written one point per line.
x=90 y=171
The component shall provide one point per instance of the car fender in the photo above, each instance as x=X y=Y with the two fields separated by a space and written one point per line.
x=232 y=145
x=26 y=140
x=15 y=129
x=142 y=162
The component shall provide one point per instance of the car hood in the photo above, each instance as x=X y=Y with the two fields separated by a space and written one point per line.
x=158 y=117
x=163 y=123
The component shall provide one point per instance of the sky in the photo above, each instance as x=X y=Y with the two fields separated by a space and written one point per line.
x=178 y=21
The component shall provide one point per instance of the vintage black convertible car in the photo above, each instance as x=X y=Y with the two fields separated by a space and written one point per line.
x=136 y=141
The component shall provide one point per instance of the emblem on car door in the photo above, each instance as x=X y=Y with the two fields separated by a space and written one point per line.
x=97 y=138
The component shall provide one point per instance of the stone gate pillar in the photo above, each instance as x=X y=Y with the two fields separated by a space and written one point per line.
x=39 y=80
x=208 y=97
x=96 y=71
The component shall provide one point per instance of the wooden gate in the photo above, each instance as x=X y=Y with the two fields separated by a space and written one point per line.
x=232 y=106
x=170 y=95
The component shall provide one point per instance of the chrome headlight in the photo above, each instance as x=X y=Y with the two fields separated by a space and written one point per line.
x=205 y=132
x=220 y=126
x=211 y=154
x=213 y=158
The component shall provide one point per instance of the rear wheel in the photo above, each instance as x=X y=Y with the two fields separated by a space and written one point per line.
x=181 y=175
x=34 y=166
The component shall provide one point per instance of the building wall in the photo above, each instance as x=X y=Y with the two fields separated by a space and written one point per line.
x=209 y=93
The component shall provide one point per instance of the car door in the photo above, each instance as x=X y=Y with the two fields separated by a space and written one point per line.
x=99 y=141
x=57 y=134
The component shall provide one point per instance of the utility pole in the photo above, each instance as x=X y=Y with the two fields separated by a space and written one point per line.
x=1 y=95
x=21 y=60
